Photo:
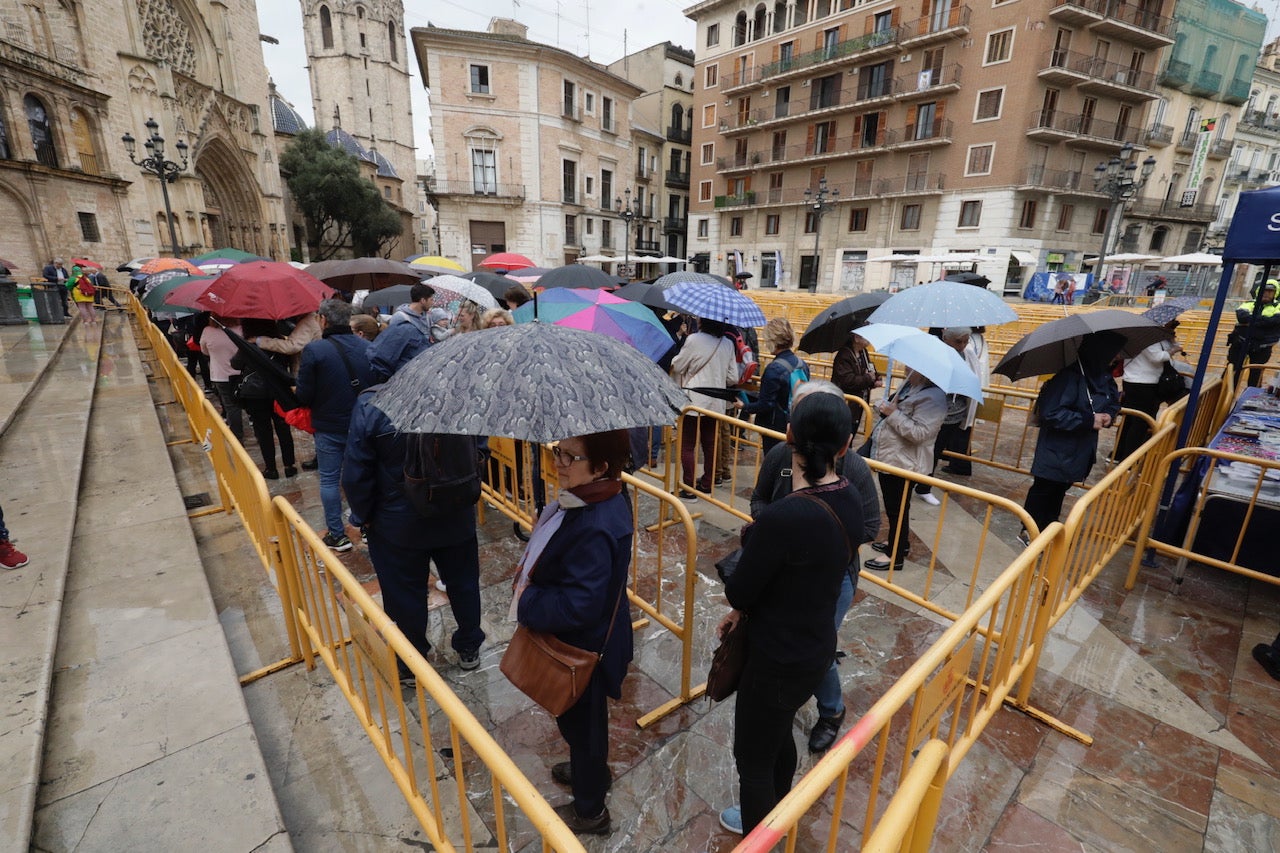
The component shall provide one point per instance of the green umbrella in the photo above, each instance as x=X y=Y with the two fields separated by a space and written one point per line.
x=229 y=254
x=154 y=298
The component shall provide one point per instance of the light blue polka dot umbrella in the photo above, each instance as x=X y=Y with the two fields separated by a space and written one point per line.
x=944 y=303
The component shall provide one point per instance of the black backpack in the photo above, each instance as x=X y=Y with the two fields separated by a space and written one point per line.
x=441 y=472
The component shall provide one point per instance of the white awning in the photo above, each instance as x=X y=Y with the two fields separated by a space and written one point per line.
x=1026 y=259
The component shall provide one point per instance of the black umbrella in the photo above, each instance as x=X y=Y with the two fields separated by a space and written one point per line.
x=578 y=275
x=968 y=278
x=830 y=329
x=532 y=381
x=646 y=294
x=389 y=298
x=1056 y=344
x=364 y=273
x=490 y=281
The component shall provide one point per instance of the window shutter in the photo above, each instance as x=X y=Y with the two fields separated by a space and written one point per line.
x=868 y=25
x=746 y=184
x=774 y=54
x=896 y=17
x=808 y=143
x=911 y=116
x=857 y=125
x=939 y=109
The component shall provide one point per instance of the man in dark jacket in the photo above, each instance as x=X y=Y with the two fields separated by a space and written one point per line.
x=394 y=348
x=402 y=543
x=332 y=371
x=1257 y=330
x=55 y=273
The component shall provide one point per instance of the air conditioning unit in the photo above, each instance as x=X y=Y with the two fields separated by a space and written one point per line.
x=905 y=58
x=804 y=85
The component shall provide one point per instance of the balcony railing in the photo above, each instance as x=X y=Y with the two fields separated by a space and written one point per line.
x=1165 y=209
x=677 y=179
x=1206 y=84
x=938 y=128
x=1248 y=176
x=11 y=53
x=680 y=135
x=1096 y=128
x=1175 y=74
x=643 y=174
x=1093 y=68
x=648 y=246
x=871 y=42
x=735 y=200
x=1051 y=179
x=470 y=188
x=912 y=183
x=46 y=154
x=1159 y=134
x=1098 y=11
x=1237 y=92
x=1259 y=120
x=946 y=22
x=674 y=223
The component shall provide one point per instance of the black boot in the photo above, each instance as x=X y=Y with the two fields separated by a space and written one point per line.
x=824 y=732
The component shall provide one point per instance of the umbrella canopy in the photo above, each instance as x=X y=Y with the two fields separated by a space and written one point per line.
x=364 y=273
x=435 y=261
x=528 y=275
x=133 y=265
x=594 y=259
x=944 y=303
x=830 y=329
x=531 y=381
x=506 y=261
x=602 y=312
x=1056 y=344
x=186 y=294
x=1202 y=259
x=668 y=259
x=976 y=279
x=428 y=270
x=577 y=275
x=237 y=256
x=646 y=294
x=10 y=265
x=265 y=289
x=714 y=301
x=155 y=297
x=490 y=281
x=162 y=264
x=85 y=262
x=1169 y=310
x=679 y=276
x=926 y=355
x=452 y=290
x=155 y=279
x=389 y=298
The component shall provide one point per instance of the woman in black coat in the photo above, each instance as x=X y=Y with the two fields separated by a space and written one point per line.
x=1073 y=406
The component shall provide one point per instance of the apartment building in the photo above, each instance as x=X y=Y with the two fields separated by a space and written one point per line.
x=935 y=128
x=665 y=73
x=1255 y=156
x=532 y=145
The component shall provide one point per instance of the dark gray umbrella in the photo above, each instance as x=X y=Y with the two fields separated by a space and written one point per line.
x=364 y=273
x=491 y=281
x=532 y=381
x=1056 y=344
x=976 y=279
x=578 y=275
x=645 y=294
x=389 y=298
x=830 y=329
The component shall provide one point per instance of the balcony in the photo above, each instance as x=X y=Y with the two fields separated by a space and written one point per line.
x=1164 y=209
x=941 y=26
x=1049 y=126
x=1206 y=84
x=1097 y=76
x=1237 y=92
x=680 y=135
x=915 y=183
x=882 y=43
x=1176 y=74
x=1051 y=180
x=11 y=53
x=1134 y=24
x=677 y=180
x=674 y=223
x=925 y=135
x=743 y=200
x=643 y=174
x=648 y=246
x=1259 y=120
x=46 y=154
x=1220 y=149
x=739 y=161
x=1090 y=132
x=1159 y=135
x=1248 y=178
x=938 y=81
x=494 y=191
x=1078 y=12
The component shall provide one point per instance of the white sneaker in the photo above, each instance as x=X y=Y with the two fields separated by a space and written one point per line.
x=929 y=498
x=440 y=586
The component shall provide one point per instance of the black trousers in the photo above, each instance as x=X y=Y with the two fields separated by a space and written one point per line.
x=1044 y=501
x=585 y=728
x=1256 y=355
x=1145 y=397
x=264 y=420
x=897 y=500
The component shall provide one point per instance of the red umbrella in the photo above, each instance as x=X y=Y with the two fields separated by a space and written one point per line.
x=506 y=261
x=161 y=264
x=186 y=294
x=8 y=264
x=85 y=262
x=267 y=289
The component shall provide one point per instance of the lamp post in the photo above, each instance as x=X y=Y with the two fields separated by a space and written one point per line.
x=155 y=163
x=627 y=213
x=1120 y=180
x=818 y=204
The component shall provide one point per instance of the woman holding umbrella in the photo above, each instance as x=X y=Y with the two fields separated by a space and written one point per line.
x=1142 y=386
x=1073 y=406
x=854 y=374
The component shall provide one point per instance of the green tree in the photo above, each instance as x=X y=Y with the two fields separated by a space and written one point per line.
x=341 y=207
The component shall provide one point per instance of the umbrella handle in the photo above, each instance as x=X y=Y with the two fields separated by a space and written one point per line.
x=888 y=379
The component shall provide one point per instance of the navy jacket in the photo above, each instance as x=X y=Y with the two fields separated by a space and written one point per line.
x=394 y=348
x=1068 y=443
x=772 y=407
x=373 y=481
x=324 y=383
x=576 y=584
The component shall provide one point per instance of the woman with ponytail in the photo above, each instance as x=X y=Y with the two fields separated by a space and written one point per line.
x=795 y=556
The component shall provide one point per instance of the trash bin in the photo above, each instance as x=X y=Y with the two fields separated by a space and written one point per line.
x=10 y=308
x=48 y=302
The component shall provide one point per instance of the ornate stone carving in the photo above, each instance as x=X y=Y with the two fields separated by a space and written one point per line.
x=140 y=80
x=166 y=35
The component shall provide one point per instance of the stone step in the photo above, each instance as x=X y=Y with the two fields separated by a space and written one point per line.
x=48 y=382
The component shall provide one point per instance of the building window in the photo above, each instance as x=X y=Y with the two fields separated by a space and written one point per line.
x=480 y=79
x=712 y=78
x=82 y=142
x=999 y=47
x=41 y=134
x=858 y=217
x=979 y=162
x=708 y=115
x=484 y=172
x=326 y=27
x=589 y=103
x=606 y=233
x=606 y=189
x=1027 y=219
x=571 y=230
x=1065 y=213
x=1100 y=219
x=570 y=99
x=1158 y=237
x=735 y=226
x=970 y=214
x=704 y=191
x=391 y=41
x=569 y=182
x=771 y=223
x=708 y=153
x=703 y=228
x=5 y=152
x=910 y=220
x=89 y=227
x=989 y=104
x=810 y=222
x=713 y=35
x=606 y=113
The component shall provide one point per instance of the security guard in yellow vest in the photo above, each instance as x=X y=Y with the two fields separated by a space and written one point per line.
x=1254 y=336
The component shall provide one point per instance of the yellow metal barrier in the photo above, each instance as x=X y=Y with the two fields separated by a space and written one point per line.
x=908 y=822
x=422 y=749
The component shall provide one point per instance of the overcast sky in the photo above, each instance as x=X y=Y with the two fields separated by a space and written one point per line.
x=614 y=32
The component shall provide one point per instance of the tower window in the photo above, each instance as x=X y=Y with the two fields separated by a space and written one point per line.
x=326 y=27
x=391 y=41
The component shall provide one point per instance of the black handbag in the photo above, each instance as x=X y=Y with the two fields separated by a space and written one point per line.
x=727 y=663
x=1170 y=387
x=728 y=564
x=253 y=386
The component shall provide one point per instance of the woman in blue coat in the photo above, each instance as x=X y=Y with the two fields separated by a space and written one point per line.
x=572 y=583
x=772 y=406
x=1073 y=406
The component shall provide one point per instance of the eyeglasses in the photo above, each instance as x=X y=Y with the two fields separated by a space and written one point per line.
x=564 y=458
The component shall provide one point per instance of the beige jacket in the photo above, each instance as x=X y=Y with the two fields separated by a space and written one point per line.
x=306 y=331
x=705 y=361
x=905 y=438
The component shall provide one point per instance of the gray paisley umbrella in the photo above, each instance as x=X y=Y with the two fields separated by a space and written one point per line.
x=532 y=381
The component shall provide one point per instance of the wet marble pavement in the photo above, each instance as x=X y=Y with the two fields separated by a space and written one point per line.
x=1186 y=753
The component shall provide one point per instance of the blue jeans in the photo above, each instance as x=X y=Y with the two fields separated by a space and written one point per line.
x=330 y=449
x=830 y=697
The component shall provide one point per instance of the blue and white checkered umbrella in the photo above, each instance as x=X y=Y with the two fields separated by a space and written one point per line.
x=715 y=302
x=944 y=303
x=671 y=279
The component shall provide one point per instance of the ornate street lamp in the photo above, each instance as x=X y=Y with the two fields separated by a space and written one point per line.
x=818 y=204
x=627 y=213
x=166 y=170
x=1120 y=181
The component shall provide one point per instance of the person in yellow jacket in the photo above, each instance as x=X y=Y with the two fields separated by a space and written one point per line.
x=82 y=291
x=1257 y=330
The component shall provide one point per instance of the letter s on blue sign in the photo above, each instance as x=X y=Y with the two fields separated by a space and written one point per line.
x=1275 y=222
